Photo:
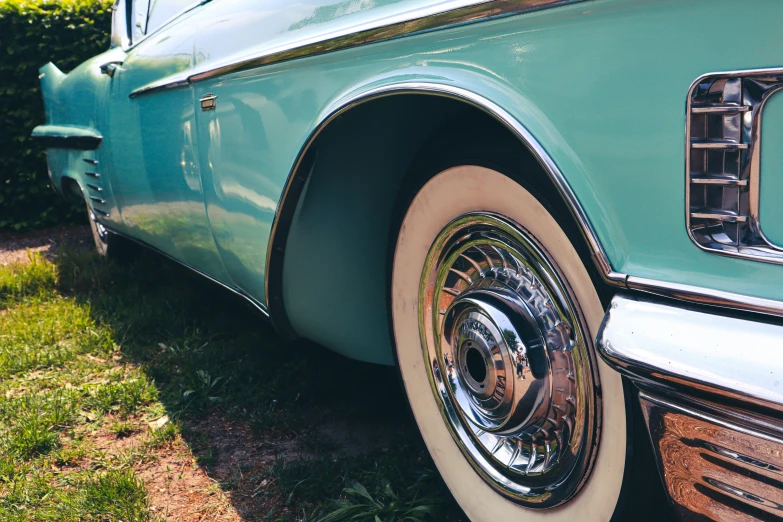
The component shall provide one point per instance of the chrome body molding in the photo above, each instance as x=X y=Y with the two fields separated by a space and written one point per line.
x=303 y=165
x=705 y=296
x=683 y=349
x=508 y=360
x=442 y=15
x=715 y=463
x=712 y=398
x=723 y=163
x=66 y=137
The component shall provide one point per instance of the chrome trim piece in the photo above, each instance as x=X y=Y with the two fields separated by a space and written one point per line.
x=718 y=180
x=96 y=188
x=724 y=112
x=451 y=13
x=688 y=349
x=715 y=465
x=721 y=456
x=304 y=163
x=66 y=137
x=90 y=161
x=718 y=145
x=508 y=360
x=723 y=109
x=97 y=200
x=109 y=68
x=705 y=296
x=92 y=174
x=208 y=102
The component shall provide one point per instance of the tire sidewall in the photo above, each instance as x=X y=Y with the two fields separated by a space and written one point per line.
x=454 y=192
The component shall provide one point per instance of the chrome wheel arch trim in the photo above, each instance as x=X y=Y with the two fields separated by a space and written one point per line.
x=302 y=167
x=442 y=15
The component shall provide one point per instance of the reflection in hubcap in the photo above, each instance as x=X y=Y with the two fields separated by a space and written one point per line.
x=509 y=364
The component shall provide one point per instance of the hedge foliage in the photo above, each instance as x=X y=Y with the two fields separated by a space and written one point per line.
x=65 y=32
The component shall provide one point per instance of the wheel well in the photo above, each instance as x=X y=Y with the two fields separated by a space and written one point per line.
x=71 y=189
x=333 y=274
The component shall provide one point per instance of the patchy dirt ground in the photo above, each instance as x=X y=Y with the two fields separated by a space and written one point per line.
x=16 y=248
x=259 y=429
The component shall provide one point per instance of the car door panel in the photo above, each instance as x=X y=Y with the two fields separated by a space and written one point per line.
x=155 y=168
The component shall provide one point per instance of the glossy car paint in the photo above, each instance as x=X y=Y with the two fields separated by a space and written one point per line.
x=601 y=85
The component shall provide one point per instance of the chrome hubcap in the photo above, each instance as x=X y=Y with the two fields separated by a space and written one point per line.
x=509 y=364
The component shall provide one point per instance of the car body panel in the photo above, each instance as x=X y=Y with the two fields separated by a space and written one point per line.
x=601 y=86
x=78 y=101
x=560 y=73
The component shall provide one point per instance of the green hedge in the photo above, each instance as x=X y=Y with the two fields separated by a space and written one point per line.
x=65 y=32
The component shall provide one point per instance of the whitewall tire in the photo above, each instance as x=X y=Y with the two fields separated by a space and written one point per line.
x=596 y=485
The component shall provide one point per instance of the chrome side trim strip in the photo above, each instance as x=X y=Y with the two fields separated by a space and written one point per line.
x=303 y=166
x=451 y=14
x=691 y=350
x=706 y=296
x=67 y=137
x=256 y=304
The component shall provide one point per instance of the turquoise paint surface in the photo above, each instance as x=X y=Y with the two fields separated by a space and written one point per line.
x=771 y=175
x=601 y=85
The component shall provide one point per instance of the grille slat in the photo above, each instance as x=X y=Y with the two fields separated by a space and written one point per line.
x=723 y=109
x=715 y=144
x=700 y=179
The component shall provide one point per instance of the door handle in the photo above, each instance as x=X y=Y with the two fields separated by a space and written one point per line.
x=208 y=102
x=110 y=67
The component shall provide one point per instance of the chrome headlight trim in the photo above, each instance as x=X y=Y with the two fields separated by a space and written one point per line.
x=722 y=202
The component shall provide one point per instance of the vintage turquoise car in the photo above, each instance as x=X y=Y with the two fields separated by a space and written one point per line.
x=545 y=213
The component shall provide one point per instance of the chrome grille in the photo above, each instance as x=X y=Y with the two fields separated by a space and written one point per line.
x=718 y=464
x=723 y=163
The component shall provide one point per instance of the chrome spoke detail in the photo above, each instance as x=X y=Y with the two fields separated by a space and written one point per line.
x=517 y=387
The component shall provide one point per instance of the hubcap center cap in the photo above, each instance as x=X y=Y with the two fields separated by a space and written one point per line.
x=492 y=380
x=476 y=367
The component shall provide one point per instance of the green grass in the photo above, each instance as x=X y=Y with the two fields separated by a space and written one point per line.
x=94 y=354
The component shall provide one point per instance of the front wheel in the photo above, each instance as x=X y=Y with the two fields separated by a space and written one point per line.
x=494 y=317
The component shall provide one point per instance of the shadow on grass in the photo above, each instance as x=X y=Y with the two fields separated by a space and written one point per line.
x=283 y=428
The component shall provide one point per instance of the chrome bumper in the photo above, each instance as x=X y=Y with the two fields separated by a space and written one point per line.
x=712 y=397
